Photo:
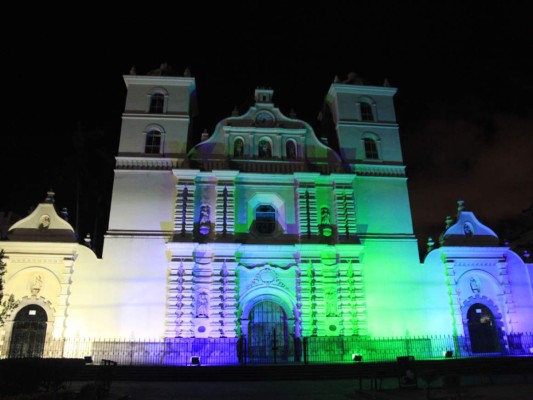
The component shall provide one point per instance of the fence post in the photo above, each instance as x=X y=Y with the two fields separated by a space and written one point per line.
x=241 y=350
x=456 y=348
x=297 y=349
x=245 y=348
x=306 y=346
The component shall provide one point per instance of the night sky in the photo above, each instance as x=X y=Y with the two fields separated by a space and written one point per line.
x=464 y=101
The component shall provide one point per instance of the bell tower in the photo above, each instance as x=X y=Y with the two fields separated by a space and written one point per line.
x=157 y=118
x=154 y=139
x=365 y=124
x=368 y=142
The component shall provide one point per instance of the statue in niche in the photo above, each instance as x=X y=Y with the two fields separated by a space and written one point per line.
x=44 y=222
x=238 y=149
x=202 y=305
x=291 y=150
x=324 y=216
x=467 y=229
x=325 y=227
x=265 y=150
x=205 y=221
x=36 y=285
x=331 y=304
x=204 y=214
x=474 y=285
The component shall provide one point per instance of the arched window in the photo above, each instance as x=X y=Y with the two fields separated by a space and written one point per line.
x=238 y=148
x=371 y=149
x=290 y=150
x=265 y=149
x=366 y=112
x=157 y=103
x=153 y=142
x=265 y=219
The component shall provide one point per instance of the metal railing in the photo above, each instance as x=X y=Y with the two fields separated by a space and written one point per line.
x=233 y=351
x=347 y=348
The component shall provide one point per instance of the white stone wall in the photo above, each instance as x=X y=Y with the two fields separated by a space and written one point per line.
x=132 y=289
x=382 y=206
x=143 y=201
x=174 y=133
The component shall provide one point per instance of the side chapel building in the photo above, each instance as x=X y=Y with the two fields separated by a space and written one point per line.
x=261 y=229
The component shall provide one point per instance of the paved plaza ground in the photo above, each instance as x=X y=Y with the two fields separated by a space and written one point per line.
x=309 y=390
x=487 y=378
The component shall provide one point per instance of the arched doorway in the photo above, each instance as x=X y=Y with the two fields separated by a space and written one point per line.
x=482 y=329
x=268 y=336
x=29 y=332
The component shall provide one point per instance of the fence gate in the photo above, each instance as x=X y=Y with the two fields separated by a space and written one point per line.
x=268 y=334
x=28 y=333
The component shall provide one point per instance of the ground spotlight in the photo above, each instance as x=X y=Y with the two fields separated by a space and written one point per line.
x=195 y=360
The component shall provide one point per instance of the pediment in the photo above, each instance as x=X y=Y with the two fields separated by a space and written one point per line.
x=468 y=231
x=42 y=225
x=263 y=139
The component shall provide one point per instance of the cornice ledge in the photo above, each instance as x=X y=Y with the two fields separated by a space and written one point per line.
x=146 y=163
x=158 y=80
x=362 y=89
x=379 y=170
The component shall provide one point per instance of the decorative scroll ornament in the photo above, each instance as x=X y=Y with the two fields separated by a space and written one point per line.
x=266 y=277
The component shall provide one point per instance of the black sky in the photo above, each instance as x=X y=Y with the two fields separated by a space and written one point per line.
x=463 y=73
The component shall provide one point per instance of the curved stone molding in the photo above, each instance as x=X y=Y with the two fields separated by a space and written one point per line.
x=252 y=266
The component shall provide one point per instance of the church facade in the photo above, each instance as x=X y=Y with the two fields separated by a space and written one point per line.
x=262 y=232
